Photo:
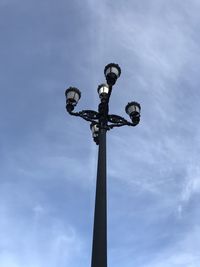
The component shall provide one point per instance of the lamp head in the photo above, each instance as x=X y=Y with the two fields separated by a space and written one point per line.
x=133 y=110
x=73 y=95
x=112 y=72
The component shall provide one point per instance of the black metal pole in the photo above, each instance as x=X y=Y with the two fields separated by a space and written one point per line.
x=99 y=247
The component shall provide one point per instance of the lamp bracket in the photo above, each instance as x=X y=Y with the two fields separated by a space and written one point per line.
x=117 y=121
x=93 y=116
x=88 y=115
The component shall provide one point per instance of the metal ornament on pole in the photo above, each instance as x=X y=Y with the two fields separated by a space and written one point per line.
x=101 y=122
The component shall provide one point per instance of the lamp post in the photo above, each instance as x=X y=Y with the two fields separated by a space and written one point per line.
x=101 y=122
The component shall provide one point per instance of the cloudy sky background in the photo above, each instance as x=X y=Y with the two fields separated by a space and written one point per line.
x=48 y=159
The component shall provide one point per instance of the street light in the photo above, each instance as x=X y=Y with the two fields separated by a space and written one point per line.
x=103 y=90
x=112 y=72
x=133 y=110
x=100 y=123
x=95 y=132
x=73 y=95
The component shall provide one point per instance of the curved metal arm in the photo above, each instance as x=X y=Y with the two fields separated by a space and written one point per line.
x=118 y=121
x=94 y=116
x=88 y=115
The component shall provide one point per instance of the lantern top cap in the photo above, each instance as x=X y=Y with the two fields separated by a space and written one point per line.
x=110 y=65
x=133 y=103
x=73 y=89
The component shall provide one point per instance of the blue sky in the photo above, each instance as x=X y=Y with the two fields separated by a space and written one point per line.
x=48 y=159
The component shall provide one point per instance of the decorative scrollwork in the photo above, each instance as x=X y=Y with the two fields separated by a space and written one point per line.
x=88 y=115
x=117 y=121
x=93 y=116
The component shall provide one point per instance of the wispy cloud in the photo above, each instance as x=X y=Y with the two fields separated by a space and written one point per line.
x=46 y=241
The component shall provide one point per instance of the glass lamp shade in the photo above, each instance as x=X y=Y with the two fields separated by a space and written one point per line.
x=103 y=90
x=133 y=110
x=72 y=95
x=112 y=68
x=133 y=107
x=112 y=72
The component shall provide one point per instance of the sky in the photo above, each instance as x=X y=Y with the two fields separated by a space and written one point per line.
x=48 y=158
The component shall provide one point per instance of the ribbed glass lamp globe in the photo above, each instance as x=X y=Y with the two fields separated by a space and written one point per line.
x=112 y=68
x=133 y=108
